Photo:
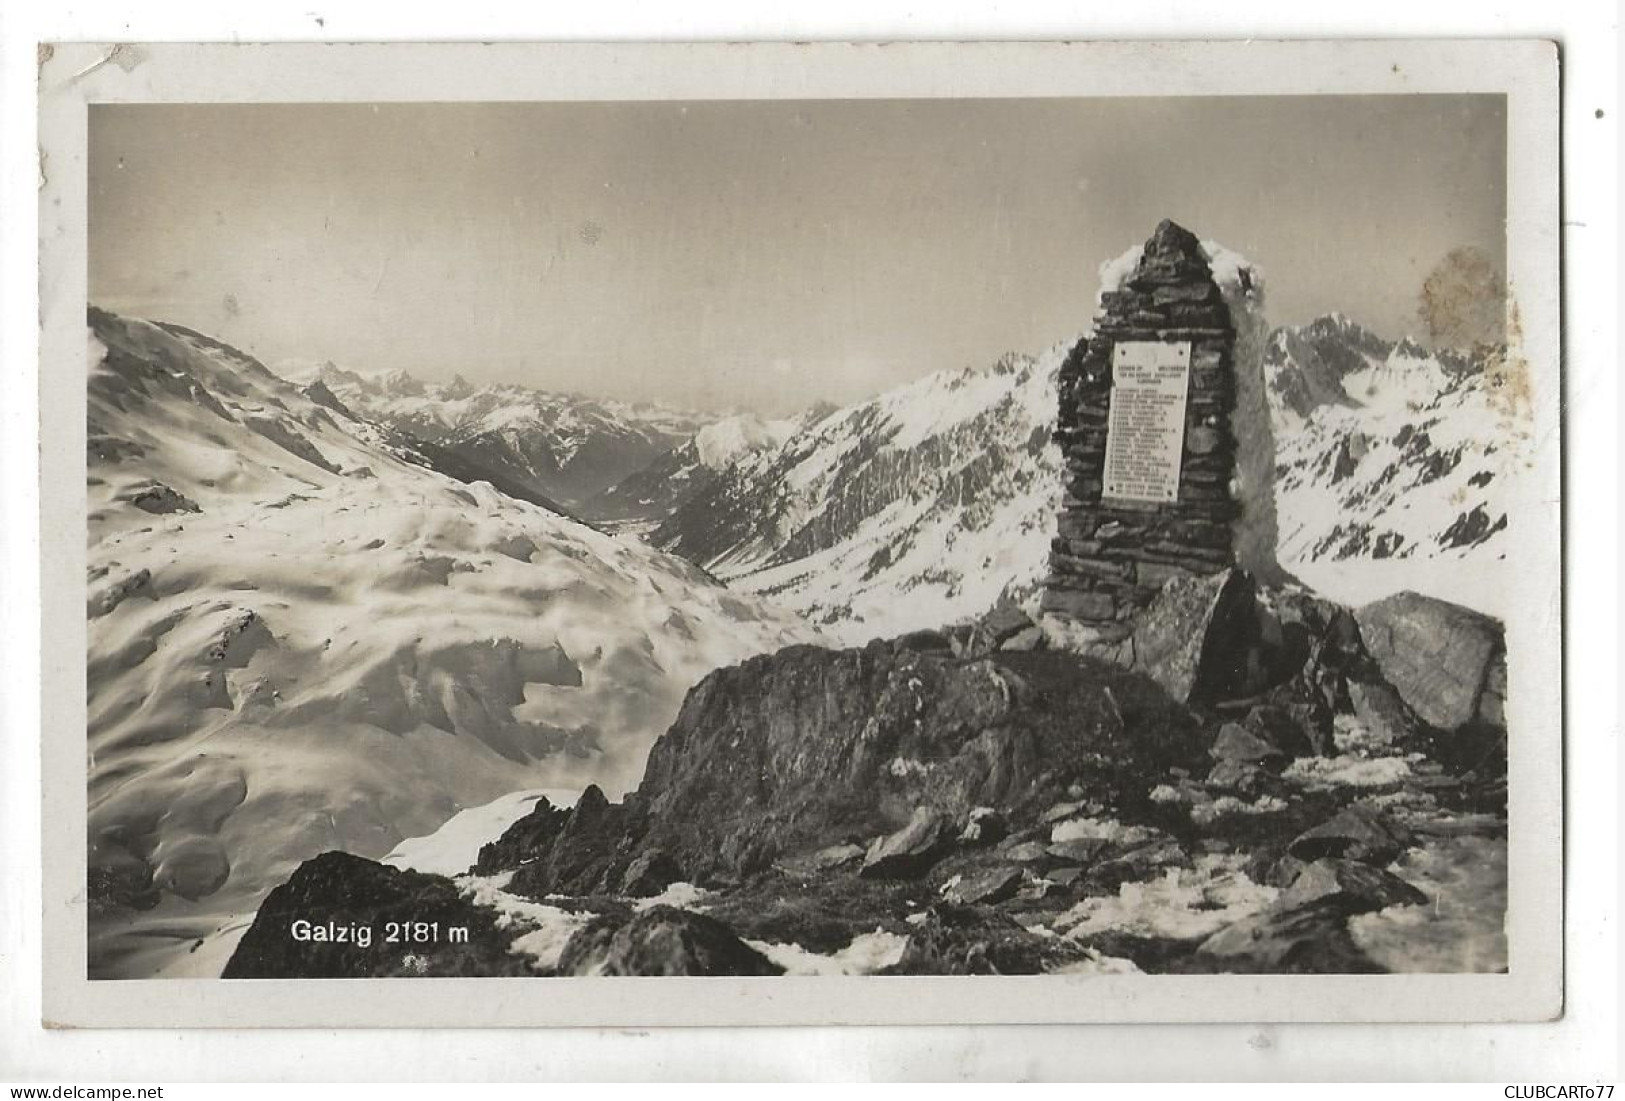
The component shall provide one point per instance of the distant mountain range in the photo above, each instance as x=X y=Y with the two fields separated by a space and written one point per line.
x=542 y=446
x=689 y=470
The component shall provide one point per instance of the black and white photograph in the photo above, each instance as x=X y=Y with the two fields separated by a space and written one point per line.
x=1084 y=536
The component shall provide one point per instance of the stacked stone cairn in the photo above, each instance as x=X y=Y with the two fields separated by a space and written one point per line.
x=1110 y=558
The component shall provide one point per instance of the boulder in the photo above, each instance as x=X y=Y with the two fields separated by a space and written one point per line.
x=1064 y=877
x=1196 y=637
x=1043 y=890
x=1319 y=653
x=1441 y=657
x=1059 y=812
x=1306 y=928
x=1268 y=870
x=1027 y=852
x=1351 y=885
x=1082 y=850
x=1356 y=833
x=983 y=826
x=1138 y=865
x=1305 y=706
x=909 y=852
x=835 y=856
x=1237 y=743
x=661 y=940
x=1003 y=622
x=985 y=887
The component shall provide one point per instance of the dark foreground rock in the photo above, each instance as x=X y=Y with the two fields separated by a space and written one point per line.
x=342 y=916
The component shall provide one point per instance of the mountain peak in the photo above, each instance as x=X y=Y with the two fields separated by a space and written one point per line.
x=402 y=384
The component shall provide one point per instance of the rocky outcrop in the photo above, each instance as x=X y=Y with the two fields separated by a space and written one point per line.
x=808 y=743
x=529 y=837
x=108 y=597
x=589 y=852
x=899 y=746
x=157 y=498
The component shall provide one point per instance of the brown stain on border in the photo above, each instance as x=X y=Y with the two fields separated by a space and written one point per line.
x=1507 y=375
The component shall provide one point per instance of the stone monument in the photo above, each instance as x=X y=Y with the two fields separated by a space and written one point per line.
x=1164 y=430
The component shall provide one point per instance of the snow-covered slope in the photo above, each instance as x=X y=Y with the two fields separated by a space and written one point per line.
x=910 y=510
x=300 y=642
x=650 y=495
x=565 y=447
x=1388 y=452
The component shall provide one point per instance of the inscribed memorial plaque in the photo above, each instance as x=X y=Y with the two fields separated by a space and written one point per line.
x=1146 y=430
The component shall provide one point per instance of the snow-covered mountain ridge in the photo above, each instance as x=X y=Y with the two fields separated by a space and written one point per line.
x=913 y=509
x=1387 y=450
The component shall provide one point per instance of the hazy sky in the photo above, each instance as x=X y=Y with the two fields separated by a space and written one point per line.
x=762 y=254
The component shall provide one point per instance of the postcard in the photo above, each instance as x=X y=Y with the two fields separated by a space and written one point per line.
x=801 y=534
